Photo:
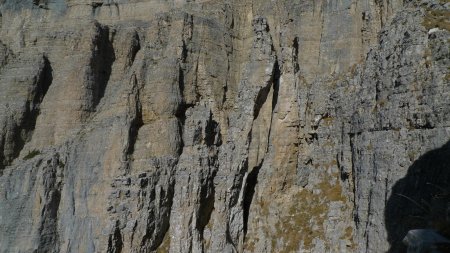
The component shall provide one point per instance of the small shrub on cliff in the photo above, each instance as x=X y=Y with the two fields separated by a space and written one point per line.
x=32 y=154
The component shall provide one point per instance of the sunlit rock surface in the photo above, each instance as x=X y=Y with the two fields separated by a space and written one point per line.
x=222 y=125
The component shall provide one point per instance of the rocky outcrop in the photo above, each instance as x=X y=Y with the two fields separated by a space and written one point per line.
x=222 y=126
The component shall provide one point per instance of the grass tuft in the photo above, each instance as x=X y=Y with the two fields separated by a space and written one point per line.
x=32 y=154
x=437 y=18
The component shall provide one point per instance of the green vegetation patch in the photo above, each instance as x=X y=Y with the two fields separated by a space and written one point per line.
x=437 y=18
x=304 y=219
x=307 y=216
x=165 y=245
x=32 y=154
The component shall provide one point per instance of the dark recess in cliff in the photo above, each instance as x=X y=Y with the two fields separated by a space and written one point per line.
x=115 y=243
x=252 y=180
x=101 y=63
x=421 y=198
x=24 y=130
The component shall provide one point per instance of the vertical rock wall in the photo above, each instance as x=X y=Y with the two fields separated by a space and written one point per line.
x=222 y=126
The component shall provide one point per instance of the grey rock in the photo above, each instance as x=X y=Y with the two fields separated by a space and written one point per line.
x=222 y=126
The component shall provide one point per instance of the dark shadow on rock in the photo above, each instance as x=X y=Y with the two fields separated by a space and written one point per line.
x=421 y=199
x=103 y=57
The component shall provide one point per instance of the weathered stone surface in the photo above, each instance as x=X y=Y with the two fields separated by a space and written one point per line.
x=222 y=126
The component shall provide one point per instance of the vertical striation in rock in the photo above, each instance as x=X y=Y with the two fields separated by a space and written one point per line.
x=222 y=126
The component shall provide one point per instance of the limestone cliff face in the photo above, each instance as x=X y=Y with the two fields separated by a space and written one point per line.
x=222 y=125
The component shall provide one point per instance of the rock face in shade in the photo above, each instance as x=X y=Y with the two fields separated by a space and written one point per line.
x=223 y=125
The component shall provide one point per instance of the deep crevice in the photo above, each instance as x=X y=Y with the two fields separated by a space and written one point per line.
x=181 y=81
x=137 y=121
x=212 y=130
x=2 y=155
x=187 y=33
x=344 y=175
x=182 y=108
x=264 y=92
x=252 y=180
x=276 y=84
x=207 y=199
x=23 y=130
x=206 y=207
x=147 y=244
x=115 y=243
x=181 y=116
x=134 y=49
x=353 y=169
x=260 y=100
x=295 y=55
x=101 y=64
x=164 y=226
x=48 y=230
